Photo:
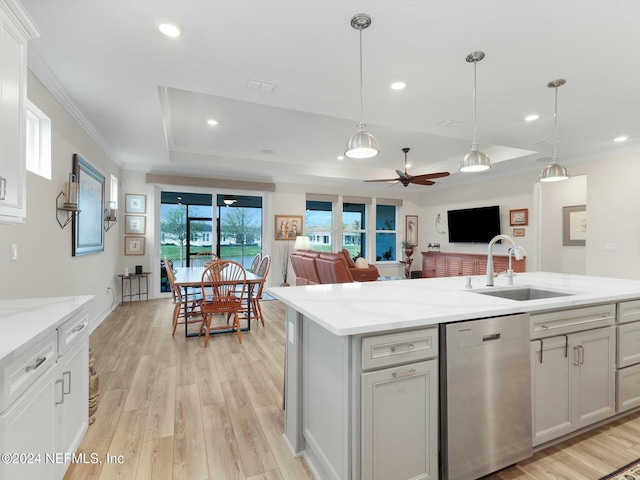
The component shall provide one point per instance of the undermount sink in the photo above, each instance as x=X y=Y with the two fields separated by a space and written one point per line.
x=522 y=294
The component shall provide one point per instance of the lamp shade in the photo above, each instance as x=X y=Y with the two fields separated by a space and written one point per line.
x=302 y=243
x=474 y=161
x=554 y=172
x=362 y=144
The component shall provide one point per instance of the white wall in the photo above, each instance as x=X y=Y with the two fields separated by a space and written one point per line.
x=553 y=196
x=45 y=266
x=513 y=193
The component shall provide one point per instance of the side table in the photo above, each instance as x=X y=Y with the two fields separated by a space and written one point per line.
x=129 y=281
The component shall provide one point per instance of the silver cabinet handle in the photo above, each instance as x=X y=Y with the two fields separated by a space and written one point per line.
x=408 y=347
x=406 y=373
x=39 y=361
x=576 y=352
x=78 y=328
x=61 y=381
x=581 y=349
x=68 y=372
x=3 y=188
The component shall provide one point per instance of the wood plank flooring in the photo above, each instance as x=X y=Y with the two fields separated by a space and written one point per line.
x=175 y=410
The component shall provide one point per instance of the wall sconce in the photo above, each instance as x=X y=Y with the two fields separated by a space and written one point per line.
x=70 y=200
x=110 y=216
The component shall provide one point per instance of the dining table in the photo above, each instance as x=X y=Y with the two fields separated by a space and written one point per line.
x=191 y=277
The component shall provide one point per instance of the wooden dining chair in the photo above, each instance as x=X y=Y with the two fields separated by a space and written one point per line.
x=256 y=296
x=227 y=281
x=185 y=306
x=200 y=259
x=255 y=263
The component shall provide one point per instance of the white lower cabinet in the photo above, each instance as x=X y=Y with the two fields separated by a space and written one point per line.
x=399 y=422
x=573 y=382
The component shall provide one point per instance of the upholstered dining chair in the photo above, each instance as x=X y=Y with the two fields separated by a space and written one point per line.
x=185 y=306
x=224 y=285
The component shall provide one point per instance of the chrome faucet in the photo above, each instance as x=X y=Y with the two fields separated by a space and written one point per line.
x=510 y=270
x=493 y=241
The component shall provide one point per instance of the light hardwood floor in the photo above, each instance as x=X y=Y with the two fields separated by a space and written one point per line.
x=175 y=410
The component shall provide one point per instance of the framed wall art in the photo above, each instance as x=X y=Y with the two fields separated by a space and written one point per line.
x=519 y=217
x=288 y=227
x=134 y=203
x=135 y=224
x=411 y=229
x=134 y=245
x=574 y=225
x=87 y=227
x=518 y=232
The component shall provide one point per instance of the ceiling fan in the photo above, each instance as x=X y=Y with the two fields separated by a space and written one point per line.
x=405 y=179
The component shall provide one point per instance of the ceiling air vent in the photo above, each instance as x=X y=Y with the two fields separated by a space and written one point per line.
x=261 y=86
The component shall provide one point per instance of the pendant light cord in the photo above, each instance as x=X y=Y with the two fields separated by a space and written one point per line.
x=555 y=128
x=475 y=63
x=361 y=84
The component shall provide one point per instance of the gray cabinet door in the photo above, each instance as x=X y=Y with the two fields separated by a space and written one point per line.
x=552 y=391
x=400 y=423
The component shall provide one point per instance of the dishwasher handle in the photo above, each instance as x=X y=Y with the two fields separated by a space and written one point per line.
x=494 y=337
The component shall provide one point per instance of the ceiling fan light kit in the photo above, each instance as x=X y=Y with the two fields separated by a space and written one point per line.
x=361 y=144
x=474 y=161
x=554 y=172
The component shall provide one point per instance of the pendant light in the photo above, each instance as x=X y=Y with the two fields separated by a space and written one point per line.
x=475 y=160
x=361 y=144
x=555 y=172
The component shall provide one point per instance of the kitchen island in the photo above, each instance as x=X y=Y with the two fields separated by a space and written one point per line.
x=362 y=363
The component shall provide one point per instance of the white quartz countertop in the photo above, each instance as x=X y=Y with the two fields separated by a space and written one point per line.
x=367 y=307
x=26 y=319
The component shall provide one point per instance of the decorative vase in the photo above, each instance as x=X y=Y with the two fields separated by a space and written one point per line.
x=94 y=391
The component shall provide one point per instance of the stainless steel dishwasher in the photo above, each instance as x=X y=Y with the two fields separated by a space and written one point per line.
x=485 y=396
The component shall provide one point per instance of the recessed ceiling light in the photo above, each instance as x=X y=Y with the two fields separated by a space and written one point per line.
x=409 y=165
x=398 y=85
x=531 y=118
x=621 y=139
x=340 y=157
x=211 y=121
x=170 y=29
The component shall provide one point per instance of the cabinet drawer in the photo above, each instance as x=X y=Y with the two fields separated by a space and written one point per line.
x=628 y=388
x=26 y=368
x=396 y=348
x=629 y=311
x=71 y=331
x=628 y=344
x=574 y=320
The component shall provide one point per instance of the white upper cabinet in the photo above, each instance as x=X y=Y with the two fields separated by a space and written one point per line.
x=16 y=29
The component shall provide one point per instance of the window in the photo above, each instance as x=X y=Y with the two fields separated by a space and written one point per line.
x=38 y=147
x=317 y=225
x=354 y=236
x=386 y=233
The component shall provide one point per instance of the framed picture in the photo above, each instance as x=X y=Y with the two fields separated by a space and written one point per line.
x=88 y=232
x=574 y=225
x=135 y=224
x=411 y=229
x=519 y=217
x=134 y=203
x=518 y=232
x=288 y=227
x=134 y=245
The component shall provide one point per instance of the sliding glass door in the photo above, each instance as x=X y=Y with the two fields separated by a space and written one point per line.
x=239 y=227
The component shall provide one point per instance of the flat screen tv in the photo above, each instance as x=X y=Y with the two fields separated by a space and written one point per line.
x=474 y=225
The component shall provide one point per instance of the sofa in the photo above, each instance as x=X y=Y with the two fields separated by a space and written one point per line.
x=313 y=268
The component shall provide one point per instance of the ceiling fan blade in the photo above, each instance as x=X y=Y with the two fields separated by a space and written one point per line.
x=401 y=174
x=422 y=181
x=433 y=175
x=383 y=180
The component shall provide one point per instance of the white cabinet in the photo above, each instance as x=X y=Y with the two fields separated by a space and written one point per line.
x=16 y=29
x=44 y=409
x=399 y=406
x=573 y=380
x=399 y=422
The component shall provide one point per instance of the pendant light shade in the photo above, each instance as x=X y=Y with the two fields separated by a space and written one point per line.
x=475 y=160
x=361 y=144
x=554 y=172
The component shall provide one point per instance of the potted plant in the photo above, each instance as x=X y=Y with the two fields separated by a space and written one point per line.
x=408 y=248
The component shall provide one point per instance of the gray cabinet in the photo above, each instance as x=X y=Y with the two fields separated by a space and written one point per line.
x=628 y=356
x=15 y=31
x=399 y=422
x=573 y=380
